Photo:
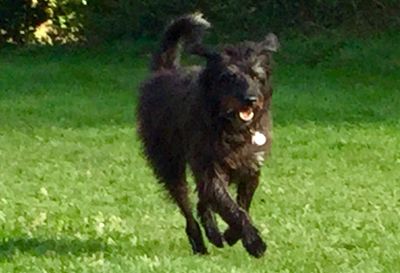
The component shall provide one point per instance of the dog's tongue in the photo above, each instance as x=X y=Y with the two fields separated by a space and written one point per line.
x=246 y=114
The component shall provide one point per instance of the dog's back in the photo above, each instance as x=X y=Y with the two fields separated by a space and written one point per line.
x=164 y=105
x=165 y=97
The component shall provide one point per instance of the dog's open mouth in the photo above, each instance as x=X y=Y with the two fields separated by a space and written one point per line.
x=246 y=114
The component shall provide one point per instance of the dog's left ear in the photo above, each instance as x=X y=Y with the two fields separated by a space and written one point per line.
x=270 y=43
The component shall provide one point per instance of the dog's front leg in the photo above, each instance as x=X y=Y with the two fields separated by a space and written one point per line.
x=209 y=222
x=245 y=192
x=214 y=191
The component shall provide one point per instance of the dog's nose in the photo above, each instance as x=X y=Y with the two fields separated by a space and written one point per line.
x=250 y=99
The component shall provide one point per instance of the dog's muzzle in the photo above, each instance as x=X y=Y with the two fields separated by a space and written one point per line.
x=247 y=113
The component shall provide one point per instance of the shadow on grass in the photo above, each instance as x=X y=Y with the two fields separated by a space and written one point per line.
x=45 y=246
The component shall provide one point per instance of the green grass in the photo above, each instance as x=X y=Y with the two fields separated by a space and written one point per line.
x=76 y=195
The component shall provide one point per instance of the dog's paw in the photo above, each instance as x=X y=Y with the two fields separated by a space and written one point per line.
x=253 y=243
x=215 y=237
x=198 y=247
x=232 y=236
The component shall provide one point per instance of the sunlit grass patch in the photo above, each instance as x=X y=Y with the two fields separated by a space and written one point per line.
x=76 y=195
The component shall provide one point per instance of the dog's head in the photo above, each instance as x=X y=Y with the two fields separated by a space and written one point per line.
x=236 y=80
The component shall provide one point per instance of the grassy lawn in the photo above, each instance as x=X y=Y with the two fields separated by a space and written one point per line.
x=76 y=195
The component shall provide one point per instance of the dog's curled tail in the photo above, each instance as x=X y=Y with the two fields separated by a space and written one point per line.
x=187 y=30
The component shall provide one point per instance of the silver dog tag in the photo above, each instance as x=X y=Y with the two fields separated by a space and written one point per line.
x=258 y=138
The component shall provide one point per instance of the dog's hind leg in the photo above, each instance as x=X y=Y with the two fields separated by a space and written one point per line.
x=171 y=173
x=245 y=192
x=179 y=192
x=169 y=166
x=210 y=225
x=167 y=162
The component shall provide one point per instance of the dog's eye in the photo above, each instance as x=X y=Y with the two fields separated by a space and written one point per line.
x=257 y=77
x=227 y=77
x=258 y=70
x=258 y=73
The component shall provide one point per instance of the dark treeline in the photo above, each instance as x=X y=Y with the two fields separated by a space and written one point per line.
x=96 y=21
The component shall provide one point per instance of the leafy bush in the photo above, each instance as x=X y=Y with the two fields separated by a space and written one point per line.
x=40 y=21
x=62 y=21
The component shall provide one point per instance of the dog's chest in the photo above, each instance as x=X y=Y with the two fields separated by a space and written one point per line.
x=244 y=151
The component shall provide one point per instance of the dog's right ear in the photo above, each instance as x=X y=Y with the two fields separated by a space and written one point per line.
x=270 y=43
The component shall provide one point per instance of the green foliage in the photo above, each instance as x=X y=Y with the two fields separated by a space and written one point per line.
x=18 y=18
x=110 y=20
x=96 y=21
x=40 y=21
x=77 y=196
x=246 y=19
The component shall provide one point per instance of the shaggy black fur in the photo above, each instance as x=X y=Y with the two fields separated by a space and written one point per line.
x=215 y=119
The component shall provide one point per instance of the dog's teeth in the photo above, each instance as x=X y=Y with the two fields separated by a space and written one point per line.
x=246 y=116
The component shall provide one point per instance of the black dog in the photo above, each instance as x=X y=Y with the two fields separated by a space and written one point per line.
x=215 y=119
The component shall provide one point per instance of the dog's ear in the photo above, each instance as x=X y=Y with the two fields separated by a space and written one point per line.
x=230 y=51
x=270 y=43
